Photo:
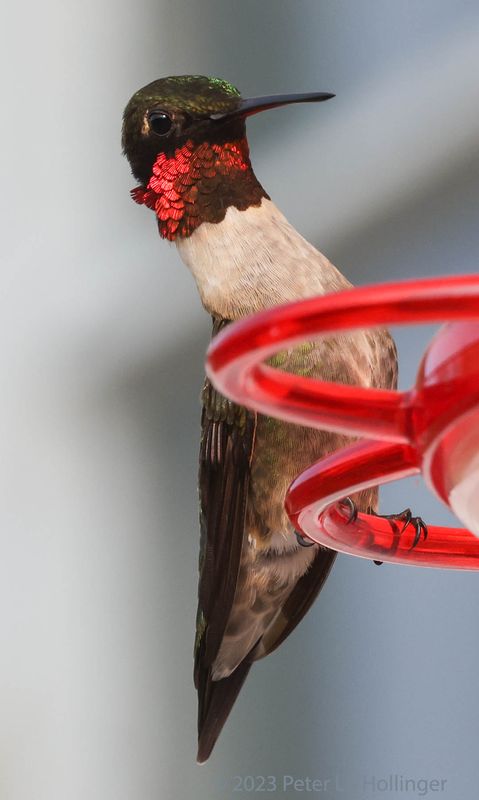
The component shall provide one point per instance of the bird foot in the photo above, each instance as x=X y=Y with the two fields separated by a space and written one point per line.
x=406 y=518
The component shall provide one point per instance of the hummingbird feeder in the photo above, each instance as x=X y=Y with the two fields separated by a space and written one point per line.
x=431 y=429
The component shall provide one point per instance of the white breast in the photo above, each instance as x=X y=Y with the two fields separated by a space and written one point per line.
x=254 y=259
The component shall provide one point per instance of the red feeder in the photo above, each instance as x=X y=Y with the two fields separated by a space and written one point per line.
x=433 y=428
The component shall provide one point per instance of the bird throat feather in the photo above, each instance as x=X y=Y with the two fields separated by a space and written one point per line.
x=198 y=183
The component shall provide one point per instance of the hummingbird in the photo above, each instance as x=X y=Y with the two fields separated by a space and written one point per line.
x=185 y=139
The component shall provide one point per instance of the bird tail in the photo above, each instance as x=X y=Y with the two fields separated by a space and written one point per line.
x=215 y=701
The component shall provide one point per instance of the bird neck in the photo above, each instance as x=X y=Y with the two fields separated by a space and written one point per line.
x=255 y=259
x=198 y=183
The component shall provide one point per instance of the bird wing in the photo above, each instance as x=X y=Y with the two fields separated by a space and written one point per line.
x=227 y=447
x=226 y=450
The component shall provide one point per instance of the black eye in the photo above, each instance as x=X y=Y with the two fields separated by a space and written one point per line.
x=160 y=123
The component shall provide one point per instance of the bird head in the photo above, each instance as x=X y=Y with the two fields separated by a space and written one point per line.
x=185 y=139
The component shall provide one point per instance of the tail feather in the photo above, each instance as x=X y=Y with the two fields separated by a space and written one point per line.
x=215 y=701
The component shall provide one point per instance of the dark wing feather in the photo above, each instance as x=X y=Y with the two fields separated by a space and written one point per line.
x=227 y=444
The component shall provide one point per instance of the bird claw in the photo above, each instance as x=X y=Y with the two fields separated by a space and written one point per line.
x=406 y=517
x=302 y=540
x=353 y=510
x=353 y=515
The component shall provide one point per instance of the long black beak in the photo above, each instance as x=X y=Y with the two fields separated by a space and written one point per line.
x=254 y=105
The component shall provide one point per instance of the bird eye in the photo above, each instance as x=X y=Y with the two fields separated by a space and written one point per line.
x=160 y=123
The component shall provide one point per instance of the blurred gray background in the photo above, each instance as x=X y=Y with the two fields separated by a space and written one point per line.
x=102 y=347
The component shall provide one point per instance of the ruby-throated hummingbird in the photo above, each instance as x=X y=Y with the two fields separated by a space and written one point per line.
x=185 y=139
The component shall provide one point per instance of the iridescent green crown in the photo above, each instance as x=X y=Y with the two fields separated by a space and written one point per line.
x=195 y=94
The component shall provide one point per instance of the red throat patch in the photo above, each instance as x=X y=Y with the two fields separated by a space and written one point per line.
x=197 y=184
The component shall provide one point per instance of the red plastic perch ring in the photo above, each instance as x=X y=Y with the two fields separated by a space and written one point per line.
x=433 y=428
